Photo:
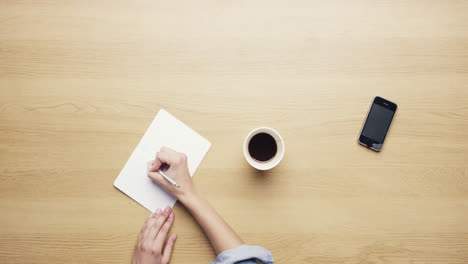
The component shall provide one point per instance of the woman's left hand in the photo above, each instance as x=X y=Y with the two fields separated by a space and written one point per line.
x=150 y=244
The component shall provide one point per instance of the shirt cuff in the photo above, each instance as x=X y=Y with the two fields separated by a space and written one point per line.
x=244 y=253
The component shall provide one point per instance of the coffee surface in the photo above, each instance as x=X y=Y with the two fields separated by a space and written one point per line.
x=262 y=147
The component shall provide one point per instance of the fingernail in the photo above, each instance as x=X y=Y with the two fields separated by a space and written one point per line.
x=174 y=236
x=167 y=209
x=157 y=212
x=171 y=215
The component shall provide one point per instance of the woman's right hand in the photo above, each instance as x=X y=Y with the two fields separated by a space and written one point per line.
x=220 y=234
x=178 y=171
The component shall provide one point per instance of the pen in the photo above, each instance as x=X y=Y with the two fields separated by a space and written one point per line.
x=169 y=179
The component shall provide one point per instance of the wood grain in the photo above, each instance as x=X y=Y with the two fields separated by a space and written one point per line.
x=81 y=81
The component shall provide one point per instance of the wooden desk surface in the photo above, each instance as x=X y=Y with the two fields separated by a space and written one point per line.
x=81 y=81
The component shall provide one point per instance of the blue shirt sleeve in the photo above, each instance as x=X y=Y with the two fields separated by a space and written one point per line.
x=244 y=255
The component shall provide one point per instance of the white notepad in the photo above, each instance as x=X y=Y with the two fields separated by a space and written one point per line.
x=165 y=130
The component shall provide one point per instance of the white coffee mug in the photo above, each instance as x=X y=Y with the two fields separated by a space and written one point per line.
x=270 y=164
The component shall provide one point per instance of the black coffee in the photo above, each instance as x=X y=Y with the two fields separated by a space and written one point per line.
x=262 y=147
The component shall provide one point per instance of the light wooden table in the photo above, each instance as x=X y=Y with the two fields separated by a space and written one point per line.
x=81 y=81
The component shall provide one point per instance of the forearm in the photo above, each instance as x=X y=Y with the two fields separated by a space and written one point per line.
x=218 y=232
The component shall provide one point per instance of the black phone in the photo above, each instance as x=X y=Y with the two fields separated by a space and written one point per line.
x=377 y=123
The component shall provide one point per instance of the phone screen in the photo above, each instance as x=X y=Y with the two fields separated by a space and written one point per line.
x=377 y=123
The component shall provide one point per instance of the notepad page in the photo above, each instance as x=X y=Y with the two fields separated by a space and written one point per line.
x=165 y=130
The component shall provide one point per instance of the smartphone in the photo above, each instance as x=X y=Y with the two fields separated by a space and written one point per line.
x=377 y=123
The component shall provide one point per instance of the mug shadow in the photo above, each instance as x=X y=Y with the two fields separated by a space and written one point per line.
x=263 y=177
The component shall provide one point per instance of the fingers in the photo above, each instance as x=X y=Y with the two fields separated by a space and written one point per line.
x=155 y=176
x=160 y=219
x=150 y=164
x=150 y=223
x=161 y=236
x=154 y=165
x=168 y=249
x=171 y=157
x=167 y=157
x=168 y=150
x=153 y=234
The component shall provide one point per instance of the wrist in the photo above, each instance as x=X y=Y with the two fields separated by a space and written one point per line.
x=191 y=198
